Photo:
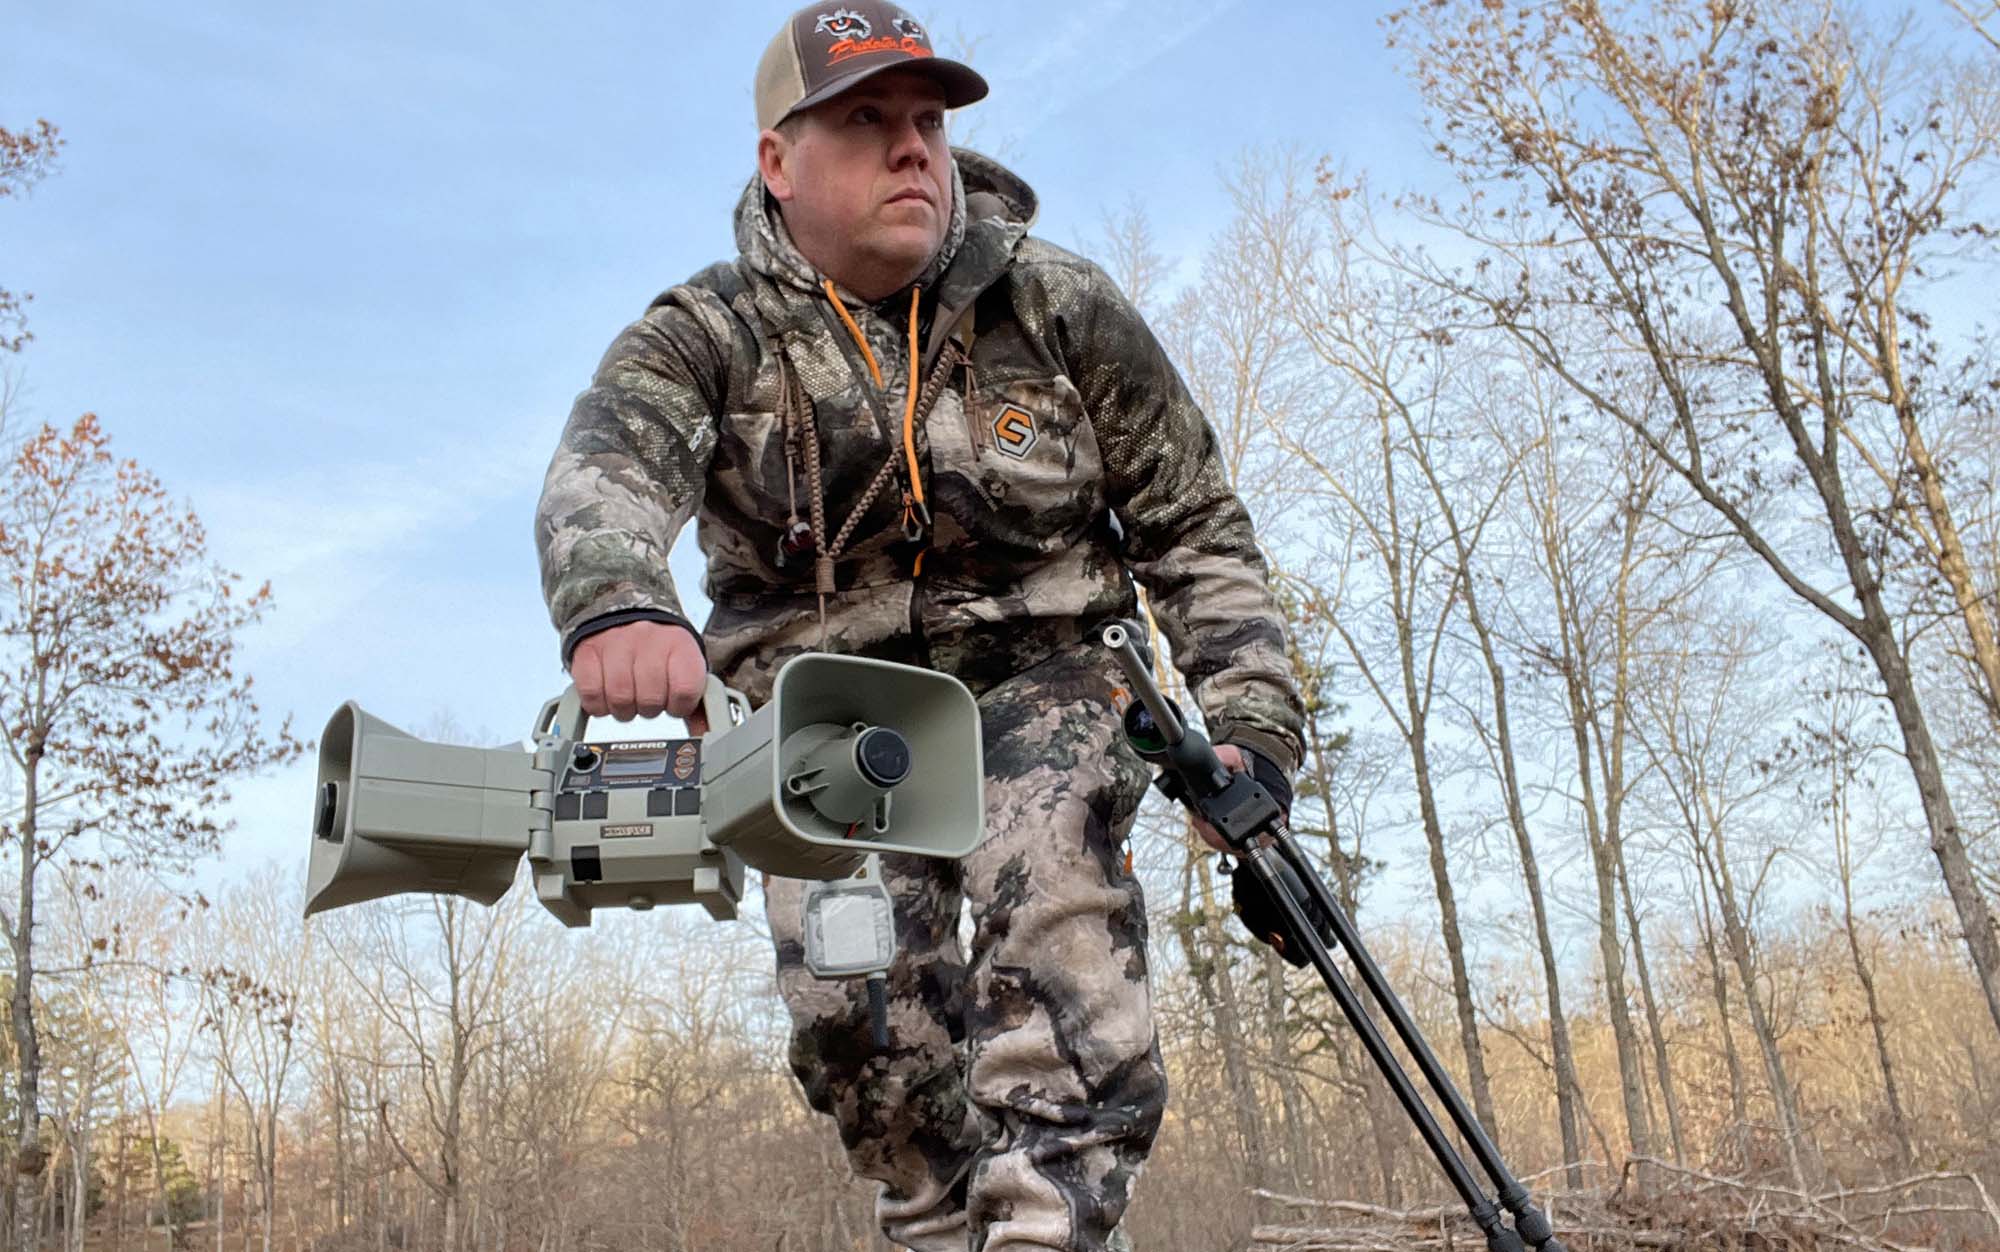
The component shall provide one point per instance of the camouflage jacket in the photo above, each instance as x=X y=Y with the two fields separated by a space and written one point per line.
x=1059 y=451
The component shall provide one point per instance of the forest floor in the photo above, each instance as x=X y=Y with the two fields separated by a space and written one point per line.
x=1676 y=1210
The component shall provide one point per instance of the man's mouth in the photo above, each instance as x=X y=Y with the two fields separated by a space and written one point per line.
x=913 y=193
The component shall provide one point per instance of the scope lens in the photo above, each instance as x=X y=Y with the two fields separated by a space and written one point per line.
x=1143 y=733
x=883 y=756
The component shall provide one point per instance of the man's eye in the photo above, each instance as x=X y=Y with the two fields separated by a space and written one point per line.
x=867 y=116
x=931 y=121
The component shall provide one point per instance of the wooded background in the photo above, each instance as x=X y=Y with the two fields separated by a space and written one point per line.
x=1634 y=507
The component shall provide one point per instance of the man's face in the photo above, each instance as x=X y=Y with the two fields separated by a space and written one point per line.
x=864 y=180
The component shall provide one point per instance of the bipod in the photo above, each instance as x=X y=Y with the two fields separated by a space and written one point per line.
x=1253 y=825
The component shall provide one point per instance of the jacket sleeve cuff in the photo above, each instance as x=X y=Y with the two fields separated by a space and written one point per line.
x=1270 y=777
x=1273 y=748
x=598 y=625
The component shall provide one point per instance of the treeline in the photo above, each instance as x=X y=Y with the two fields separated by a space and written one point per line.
x=417 y=1075
x=1633 y=500
x=437 y=1075
x=406 y=1076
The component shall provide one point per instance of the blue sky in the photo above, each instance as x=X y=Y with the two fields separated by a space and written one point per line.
x=335 y=273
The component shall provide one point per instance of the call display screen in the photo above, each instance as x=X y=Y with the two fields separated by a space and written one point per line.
x=634 y=764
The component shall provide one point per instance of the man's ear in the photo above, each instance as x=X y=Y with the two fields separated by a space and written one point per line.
x=774 y=164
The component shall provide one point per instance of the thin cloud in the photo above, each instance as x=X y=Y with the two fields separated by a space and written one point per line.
x=1097 y=47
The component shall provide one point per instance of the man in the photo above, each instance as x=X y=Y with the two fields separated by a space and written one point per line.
x=909 y=430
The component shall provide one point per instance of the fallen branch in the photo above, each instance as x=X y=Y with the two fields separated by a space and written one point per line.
x=1682 y=1209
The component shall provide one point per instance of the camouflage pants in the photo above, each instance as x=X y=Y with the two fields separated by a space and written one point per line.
x=1023 y=1085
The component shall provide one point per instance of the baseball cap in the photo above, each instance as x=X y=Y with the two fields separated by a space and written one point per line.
x=824 y=49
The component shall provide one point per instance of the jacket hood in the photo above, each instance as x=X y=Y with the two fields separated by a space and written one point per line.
x=991 y=208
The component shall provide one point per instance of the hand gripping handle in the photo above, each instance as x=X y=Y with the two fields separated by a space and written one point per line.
x=564 y=716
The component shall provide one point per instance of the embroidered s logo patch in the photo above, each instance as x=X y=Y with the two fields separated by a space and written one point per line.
x=1014 y=432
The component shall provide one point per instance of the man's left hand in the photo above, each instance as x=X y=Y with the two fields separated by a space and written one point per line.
x=1232 y=757
x=1266 y=771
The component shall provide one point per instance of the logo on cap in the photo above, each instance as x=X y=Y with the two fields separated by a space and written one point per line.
x=843 y=24
x=852 y=33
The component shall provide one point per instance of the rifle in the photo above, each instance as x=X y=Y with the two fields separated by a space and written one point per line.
x=1290 y=892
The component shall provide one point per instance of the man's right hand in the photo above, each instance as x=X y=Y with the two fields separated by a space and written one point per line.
x=642 y=669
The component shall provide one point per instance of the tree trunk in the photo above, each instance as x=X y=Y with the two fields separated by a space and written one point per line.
x=1624 y=641
x=219 y=1161
x=1736 y=934
x=1662 y=1065
x=30 y=1158
x=1718 y=984
x=1877 y=632
x=1572 y=667
x=79 y=1189
x=1284 y=1074
x=124 y=1171
x=1899 y=1124
x=1569 y=1088
x=156 y=1156
x=1386 y=1125
x=1610 y=953
x=1454 y=943
x=1946 y=838
x=1230 y=1030
x=267 y=1169
x=1217 y=988
x=1950 y=545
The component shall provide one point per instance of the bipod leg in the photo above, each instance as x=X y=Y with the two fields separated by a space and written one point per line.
x=1532 y=1224
x=1499 y=1238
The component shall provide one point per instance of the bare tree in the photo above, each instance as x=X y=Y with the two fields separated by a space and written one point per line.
x=1370 y=467
x=1406 y=563
x=252 y=982
x=153 y=996
x=88 y=1056
x=435 y=974
x=1746 y=200
x=1555 y=496
x=1717 y=768
x=1840 y=746
x=123 y=717
x=1982 y=19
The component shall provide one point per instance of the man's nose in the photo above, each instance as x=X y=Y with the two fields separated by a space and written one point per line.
x=907 y=146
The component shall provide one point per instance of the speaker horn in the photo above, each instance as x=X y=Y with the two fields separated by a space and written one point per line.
x=850 y=756
x=395 y=813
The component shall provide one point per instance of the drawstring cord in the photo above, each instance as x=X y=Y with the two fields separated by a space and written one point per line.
x=798 y=535
x=802 y=429
x=840 y=307
x=916 y=512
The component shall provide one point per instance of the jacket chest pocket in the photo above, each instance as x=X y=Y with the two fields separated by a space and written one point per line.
x=748 y=469
x=1017 y=463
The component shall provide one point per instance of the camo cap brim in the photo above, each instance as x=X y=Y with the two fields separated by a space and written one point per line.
x=825 y=49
